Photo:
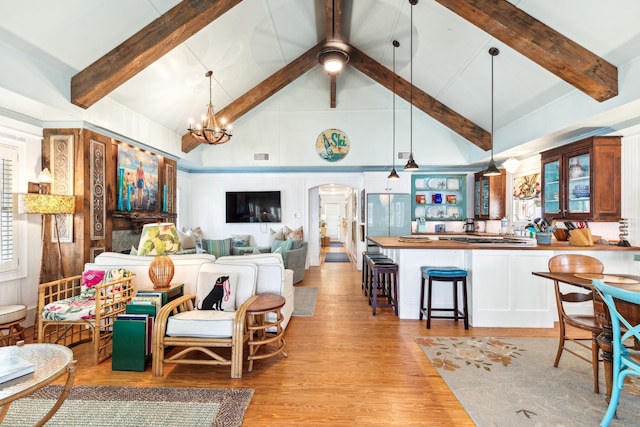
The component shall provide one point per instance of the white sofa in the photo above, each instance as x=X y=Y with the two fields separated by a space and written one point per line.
x=186 y=267
x=272 y=276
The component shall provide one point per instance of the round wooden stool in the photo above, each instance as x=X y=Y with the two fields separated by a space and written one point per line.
x=454 y=275
x=10 y=317
x=257 y=325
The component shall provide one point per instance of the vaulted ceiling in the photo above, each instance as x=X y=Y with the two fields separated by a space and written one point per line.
x=150 y=57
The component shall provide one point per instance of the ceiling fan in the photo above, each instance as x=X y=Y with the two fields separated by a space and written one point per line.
x=334 y=54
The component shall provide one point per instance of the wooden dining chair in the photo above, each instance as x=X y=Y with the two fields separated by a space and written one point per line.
x=576 y=263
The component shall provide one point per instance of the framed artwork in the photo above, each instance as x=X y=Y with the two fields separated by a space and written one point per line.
x=362 y=202
x=137 y=179
x=527 y=187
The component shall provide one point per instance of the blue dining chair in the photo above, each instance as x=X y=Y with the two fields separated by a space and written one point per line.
x=625 y=361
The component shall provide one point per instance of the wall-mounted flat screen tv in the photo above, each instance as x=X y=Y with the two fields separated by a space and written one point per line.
x=253 y=206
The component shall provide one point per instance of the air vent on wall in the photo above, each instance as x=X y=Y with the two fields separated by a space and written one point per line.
x=260 y=156
x=402 y=155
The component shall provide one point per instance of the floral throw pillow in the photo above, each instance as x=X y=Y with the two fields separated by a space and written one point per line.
x=296 y=234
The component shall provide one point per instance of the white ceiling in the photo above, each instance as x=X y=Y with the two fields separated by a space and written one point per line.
x=258 y=37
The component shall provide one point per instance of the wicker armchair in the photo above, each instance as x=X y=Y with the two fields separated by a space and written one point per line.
x=68 y=314
x=196 y=329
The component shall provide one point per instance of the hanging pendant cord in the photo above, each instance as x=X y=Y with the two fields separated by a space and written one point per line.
x=411 y=82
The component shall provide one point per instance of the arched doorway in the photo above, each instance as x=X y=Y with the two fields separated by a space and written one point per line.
x=332 y=213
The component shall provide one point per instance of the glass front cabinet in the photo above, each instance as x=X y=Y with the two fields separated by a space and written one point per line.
x=489 y=195
x=581 y=180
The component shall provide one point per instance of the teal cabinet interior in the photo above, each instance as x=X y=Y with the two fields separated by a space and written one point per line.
x=388 y=214
x=438 y=197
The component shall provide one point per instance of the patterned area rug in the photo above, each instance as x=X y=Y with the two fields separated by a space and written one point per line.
x=133 y=406
x=336 y=245
x=512 y=382
x=336 y=257
x=304 y=301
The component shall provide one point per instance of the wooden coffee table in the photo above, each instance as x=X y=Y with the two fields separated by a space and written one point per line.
x=52 y=361
x=257 y=325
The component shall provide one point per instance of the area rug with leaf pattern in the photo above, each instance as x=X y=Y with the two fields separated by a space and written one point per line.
x=133 y=407
x=512 y=382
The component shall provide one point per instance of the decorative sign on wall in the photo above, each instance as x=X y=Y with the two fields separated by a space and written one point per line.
x=332 y=145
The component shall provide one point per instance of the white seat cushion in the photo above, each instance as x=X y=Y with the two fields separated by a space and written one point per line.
x=12 y=313
x=201 y=324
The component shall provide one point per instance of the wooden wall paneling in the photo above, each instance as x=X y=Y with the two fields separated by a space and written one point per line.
x=60 y=149
x=97 y=224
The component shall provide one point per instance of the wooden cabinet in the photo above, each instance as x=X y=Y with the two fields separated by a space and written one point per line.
x=489 y=195
x=581 y=180
x=438 y=197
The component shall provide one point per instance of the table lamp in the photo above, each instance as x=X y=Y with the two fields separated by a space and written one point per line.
x=159 y=239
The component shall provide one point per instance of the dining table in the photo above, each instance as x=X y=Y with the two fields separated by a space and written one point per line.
x=628 y=310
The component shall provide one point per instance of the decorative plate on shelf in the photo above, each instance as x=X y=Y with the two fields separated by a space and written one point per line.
x=453 y=184
x=437 y=183
x=421 y=211
x=420 y=184
x=437 y=212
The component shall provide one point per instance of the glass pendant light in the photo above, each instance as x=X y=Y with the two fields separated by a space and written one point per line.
x=411 y=163
x=492 y=169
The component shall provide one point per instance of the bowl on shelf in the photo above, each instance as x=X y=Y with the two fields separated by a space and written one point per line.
x=581 y=191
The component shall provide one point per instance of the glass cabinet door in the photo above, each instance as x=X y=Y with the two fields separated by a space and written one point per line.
x=578 y=187
x=484 y=208
x=388 y=214
x=477 y=198
x=552 y=190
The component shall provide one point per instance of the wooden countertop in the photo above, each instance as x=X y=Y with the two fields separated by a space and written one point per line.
x=392 y=242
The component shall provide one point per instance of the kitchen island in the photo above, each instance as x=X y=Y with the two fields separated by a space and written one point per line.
x=502 y=290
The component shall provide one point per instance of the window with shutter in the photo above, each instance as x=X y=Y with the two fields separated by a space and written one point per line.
x=8 y=186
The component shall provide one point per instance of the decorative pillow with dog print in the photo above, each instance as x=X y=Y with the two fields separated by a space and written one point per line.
x=217 y=291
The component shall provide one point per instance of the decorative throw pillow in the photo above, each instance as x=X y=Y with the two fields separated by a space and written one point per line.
x=217 y=291
x=219 y=247
x=286 y=246
x=187 y=241
x=277 y=234
x=296 y=234
x=241 y=240
x=276 y=245
x=296 y=244
x=90 y=279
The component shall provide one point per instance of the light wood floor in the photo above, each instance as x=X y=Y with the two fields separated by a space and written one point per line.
x=346 y=367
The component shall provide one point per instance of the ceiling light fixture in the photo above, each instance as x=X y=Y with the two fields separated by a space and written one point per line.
x=411 y=164
x=394 y=175
x=333 y=57
x=208 y=131
x=511 y=164
x=492 y=169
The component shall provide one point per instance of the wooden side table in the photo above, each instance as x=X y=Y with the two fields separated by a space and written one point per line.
x=257 y=325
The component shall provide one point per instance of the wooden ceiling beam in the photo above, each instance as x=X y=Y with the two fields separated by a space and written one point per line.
x=143 y=48
x=541 y=44
x=421 y=100
x=262 y=91
x=333 y=13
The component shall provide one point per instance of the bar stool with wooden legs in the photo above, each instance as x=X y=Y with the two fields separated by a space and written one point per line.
x=384 y=284
x=454 y=275
x=10 y=318
x=367 y=278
